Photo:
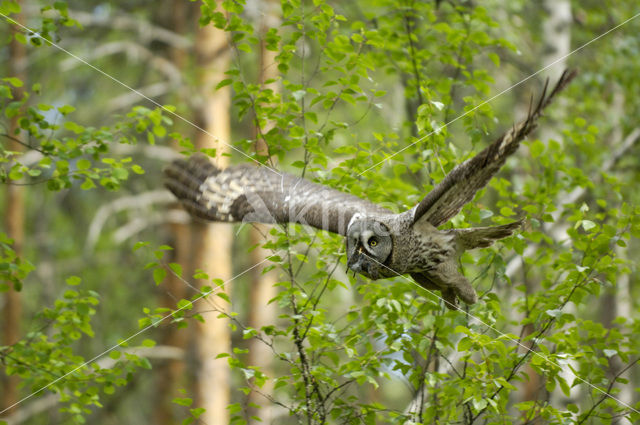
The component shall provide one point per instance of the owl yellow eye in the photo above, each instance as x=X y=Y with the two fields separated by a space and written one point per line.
x=373 y=242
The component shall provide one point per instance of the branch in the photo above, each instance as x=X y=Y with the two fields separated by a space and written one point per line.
x=129 y=98
x=147 y=32
x=161 y=153
x=134 y=51
x=143 y=200
x=138 y=224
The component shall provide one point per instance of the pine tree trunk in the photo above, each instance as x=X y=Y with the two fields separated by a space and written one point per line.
x=212 y=244
x=14 y=226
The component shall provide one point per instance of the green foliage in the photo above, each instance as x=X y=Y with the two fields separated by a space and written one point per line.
x=47 y=358
x=71 y=152
x=350 y=350
x=13 y=269
x=459 y=368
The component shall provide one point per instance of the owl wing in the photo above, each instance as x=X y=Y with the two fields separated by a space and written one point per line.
x=246 y=193
x=462 y=183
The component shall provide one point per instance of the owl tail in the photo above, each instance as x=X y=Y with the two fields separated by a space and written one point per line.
x=481 y=237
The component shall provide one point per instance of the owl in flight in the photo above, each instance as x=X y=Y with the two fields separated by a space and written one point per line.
x=380 y=244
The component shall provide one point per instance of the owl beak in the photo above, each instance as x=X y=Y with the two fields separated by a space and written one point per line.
x=355 y=264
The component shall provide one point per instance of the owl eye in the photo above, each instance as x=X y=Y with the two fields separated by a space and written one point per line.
x=373 y=242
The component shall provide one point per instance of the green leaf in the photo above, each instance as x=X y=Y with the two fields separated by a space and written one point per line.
x=506 y=211
x=573 y=408
x=66 y=109
x=564 y=386
x=495 y=59
x=158 y=275
x=140 y=244
x=73 y=280
x=182 y=401
x=16 y=173
x=87 y=184
x=298 y=94
x=185 y=305
x=15 y=82
x=536 y=148
x=137 y=169
x=554 y=312
x=223 y=83
x=159 y=130
x=587 y=224
x=176 y=268
x=464 y=344
x=120 y=173
x=197 y=412
x=478 y=405
x=83 y=164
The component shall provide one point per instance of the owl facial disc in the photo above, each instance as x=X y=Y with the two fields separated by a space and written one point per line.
x=369 y=245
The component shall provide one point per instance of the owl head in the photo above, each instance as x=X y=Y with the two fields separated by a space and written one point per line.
x=369 y=245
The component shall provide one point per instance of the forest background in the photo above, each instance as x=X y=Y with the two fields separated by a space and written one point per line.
x=117 y=308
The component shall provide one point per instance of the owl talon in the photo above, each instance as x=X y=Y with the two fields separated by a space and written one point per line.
x=449 y=298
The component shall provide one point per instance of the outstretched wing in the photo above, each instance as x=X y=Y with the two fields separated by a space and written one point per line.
x=257 y=194
x=462 y=183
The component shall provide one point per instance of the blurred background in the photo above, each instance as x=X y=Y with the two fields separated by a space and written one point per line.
x=293 y=85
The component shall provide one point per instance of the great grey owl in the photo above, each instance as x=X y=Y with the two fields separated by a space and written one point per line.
x=379 y=242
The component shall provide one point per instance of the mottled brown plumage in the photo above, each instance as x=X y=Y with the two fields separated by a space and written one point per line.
x=379 y=242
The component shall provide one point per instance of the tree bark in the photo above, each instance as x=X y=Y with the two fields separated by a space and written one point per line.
x=212 y=247
x=14 y=225
x=556 y=35
x=170 y=374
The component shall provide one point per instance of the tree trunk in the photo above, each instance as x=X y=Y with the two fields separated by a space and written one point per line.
x=620 y=307
x=170 y=374
x=212 y=247
x=557 y=43
x=262 y=284
x=14 y=225
x=556 y=31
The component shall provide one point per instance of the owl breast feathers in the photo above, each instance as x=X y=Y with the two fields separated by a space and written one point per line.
x=379 y=242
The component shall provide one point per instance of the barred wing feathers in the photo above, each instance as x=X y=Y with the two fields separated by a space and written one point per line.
x=246 y=193
x=461 y=184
